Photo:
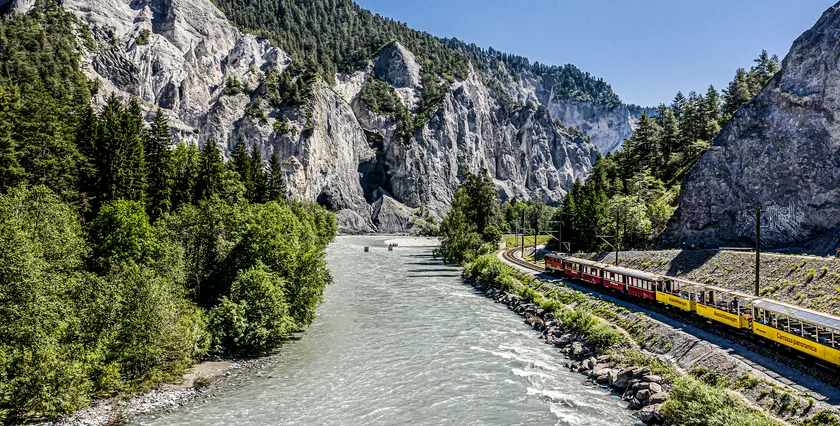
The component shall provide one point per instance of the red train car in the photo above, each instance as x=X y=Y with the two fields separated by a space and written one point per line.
x=630 y=281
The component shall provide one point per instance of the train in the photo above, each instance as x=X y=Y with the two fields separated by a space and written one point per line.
x=804 y=330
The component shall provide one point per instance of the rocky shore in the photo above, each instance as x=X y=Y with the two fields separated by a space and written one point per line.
x=202 y=383
x=644 y=391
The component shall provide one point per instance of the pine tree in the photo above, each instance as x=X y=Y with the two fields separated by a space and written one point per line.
x=277 y=183
x=736 y=94
x=669 y=141
x=185 y=165
x=132 y=168
x=210 y=170
x=241 y=163
x=678 y=105
x=11 y=172
x=258 y=176
x=711 y=114
x=765 y=67
x=159 y=164
x=643 y=143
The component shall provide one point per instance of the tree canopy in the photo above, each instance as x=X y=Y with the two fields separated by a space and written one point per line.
x=123 y=260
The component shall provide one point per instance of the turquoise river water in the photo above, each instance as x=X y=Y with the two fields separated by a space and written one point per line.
x=400 y=339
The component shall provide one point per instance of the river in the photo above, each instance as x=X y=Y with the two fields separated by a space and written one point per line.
x=400 y=339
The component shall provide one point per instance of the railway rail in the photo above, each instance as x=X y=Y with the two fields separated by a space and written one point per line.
x=811 y=365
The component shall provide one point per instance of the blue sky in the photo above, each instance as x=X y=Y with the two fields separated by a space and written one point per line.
x=647 y=50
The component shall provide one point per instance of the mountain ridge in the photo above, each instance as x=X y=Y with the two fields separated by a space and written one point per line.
x=217 y=83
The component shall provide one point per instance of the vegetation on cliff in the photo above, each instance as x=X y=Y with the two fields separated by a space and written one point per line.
x=339 y=36
x=123 y=261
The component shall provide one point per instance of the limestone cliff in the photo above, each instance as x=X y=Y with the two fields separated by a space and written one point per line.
x=179 y=54
x=781 y=152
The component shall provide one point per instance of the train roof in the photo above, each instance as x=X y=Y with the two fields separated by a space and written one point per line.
x=632 y=273
x=615 y=269
x=740 y=294
x=800 y=313
x=585 y=262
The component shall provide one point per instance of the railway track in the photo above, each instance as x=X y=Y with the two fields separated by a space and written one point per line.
x=511 y=257
x=808 y=365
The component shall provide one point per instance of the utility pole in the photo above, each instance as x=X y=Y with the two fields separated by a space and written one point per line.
x=535 y=217
x=523 y=233
x=758 y=250
x=617 y=240
x=561 y=223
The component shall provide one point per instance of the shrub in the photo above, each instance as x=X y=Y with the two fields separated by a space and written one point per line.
x=747 y=381
x=694 y=403
x=201 y=382
x=823 y=418
x=254 y=317
x=143 y=38
x=601 y=336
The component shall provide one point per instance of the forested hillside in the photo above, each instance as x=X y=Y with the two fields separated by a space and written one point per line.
x=636 y=189
x=122 y=261
x=338 y=35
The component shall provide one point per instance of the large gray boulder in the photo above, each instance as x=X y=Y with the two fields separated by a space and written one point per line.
x=780 y=152
x=391 y=216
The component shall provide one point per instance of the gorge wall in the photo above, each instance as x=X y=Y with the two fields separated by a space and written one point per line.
x=780 y=152
x=179 y=54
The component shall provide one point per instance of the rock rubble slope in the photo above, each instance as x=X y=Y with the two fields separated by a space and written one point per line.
x=179 y=54
x=781 y=151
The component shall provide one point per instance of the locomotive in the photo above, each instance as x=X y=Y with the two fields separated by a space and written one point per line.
x=801 y=329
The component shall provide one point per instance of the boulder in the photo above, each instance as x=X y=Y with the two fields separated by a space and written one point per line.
x=603 y=379
x=651 y=416
x=612 y=377
x=638 y=373
x=655 y=387
x=643 y=395
x=658 y=398
x=576 y=350
x=652 y=378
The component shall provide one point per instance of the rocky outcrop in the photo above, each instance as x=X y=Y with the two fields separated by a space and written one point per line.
x=176 y=55
x=391 y=217
x=780 y=152
x=608 y=127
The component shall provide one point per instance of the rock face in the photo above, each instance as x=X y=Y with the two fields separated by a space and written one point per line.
x=525 y=152
x=781 y=151
x=179 y=54
x=608 y=128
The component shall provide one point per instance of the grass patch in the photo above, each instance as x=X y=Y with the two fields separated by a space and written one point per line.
x=511 y=242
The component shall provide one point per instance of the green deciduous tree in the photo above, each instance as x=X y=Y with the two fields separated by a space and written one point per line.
x=254 y=316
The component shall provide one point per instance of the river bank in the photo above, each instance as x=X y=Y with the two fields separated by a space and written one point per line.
x=200 y=384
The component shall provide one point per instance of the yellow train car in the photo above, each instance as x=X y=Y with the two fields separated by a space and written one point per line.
x=725 y=306
x=811 y=332
x=677 y=292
